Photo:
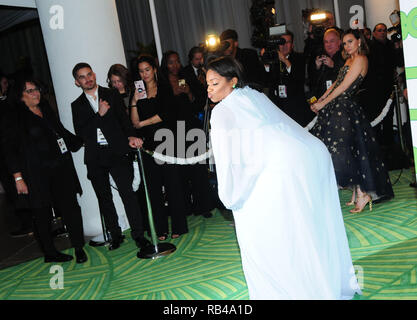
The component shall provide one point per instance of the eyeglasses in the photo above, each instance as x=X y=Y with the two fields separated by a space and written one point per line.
x=30 y=91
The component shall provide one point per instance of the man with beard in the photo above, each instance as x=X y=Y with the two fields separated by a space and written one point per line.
x=195 y=67
x=100 y=119
x=254 y=72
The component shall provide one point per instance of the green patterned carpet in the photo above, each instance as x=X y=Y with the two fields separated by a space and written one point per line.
x=207 y=264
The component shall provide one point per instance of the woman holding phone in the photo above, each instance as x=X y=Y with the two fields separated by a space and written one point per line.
x=151 y=110
x=190 y=99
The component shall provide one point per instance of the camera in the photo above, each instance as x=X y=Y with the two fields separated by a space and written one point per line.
x=271 y=44
x=396 y=26
x=319 y=21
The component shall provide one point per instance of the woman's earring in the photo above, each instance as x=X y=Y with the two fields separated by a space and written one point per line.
x=234 y=86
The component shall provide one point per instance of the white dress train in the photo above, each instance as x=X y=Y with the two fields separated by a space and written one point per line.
x=279 y=182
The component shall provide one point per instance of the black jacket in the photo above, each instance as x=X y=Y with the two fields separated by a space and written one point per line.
x=295 y=105
x=318 y=78
x=115 y=124
x=30 y=147
x=254 y=71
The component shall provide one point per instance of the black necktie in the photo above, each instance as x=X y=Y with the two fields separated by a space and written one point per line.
x=201 y=76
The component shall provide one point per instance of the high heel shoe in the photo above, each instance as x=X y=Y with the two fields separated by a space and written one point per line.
x=350 y=203
x=358 y=208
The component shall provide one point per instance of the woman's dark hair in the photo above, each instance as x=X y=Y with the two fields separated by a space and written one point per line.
x=164 y=62
x=122 y=72
x=21 y=87
x=229 y=68
x=150 y=60
x=363 y=48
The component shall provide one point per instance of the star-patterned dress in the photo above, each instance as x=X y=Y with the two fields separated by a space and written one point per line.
x=350 y=139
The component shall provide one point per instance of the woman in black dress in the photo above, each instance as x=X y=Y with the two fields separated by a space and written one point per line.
x=153 y=110
x=348 y=135
x=190 y=99
x=37 y=151
x=118 y=77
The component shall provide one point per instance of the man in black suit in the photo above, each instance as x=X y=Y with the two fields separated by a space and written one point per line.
x=286 y=82
x=324 y=68
x=254 y=71
x=100 y=119
x=195 y=69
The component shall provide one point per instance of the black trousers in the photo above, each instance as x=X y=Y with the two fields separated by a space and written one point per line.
x=64 y=201
x=154 y=181
x=196 y=183
x=121 y=170
x=167 y=175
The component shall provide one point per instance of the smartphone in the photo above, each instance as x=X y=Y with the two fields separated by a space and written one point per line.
x=140 y=86
x=181 y=82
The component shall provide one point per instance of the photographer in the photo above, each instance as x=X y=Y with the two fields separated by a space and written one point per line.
x=384 y=57
x=286 y=82
x=323 y=69
x=314 y=41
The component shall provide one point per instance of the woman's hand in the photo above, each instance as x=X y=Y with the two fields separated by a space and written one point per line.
x=21 y=187
x=137 y=96
x=135 y=142
x=184 y=88
x=316 y=107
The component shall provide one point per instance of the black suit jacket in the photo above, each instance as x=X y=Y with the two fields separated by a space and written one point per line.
x=115 y=124
x=188 y=72
x=295 y=105
x=318 y=78
x=30 y=148
x=254 y=71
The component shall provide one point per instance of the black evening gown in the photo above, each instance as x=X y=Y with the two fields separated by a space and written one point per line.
x=351 y=141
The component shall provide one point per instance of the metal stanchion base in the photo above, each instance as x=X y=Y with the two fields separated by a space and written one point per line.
x=156 y=251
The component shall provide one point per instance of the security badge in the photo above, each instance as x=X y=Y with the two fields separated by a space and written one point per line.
x=101 y=140
x=282 y=91
x=62 y=145
x=329 y=83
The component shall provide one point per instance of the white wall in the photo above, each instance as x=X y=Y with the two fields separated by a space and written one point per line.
x=378 y=11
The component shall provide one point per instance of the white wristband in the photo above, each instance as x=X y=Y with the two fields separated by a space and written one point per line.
x=18 y=178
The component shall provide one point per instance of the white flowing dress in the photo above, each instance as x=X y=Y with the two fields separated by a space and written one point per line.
x=279 y=182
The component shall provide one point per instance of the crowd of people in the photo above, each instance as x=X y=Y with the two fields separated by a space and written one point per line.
x=130 y=115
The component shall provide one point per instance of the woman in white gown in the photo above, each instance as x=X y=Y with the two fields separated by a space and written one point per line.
x=279 y=182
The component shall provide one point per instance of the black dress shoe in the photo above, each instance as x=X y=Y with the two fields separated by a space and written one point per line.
x=80 y=255
x=58 y=257
x=93 y=243
x=116 y=242
x=142 y=242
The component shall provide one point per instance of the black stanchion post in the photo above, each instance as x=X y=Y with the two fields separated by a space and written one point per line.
x=399 y=120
